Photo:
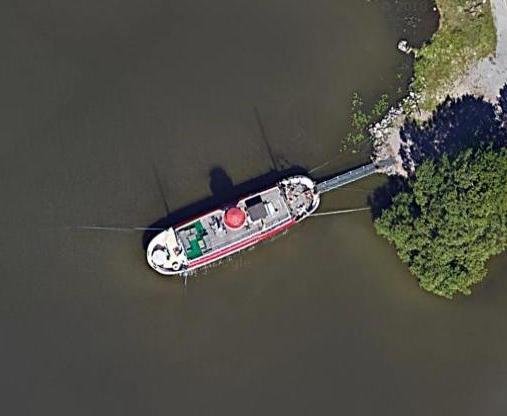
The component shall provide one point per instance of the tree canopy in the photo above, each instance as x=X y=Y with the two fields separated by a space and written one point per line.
x=450 y=219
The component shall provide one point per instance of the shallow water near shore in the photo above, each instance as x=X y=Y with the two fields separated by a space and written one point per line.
x=105 y=108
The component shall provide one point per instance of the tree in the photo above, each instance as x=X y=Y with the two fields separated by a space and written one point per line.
x=450 y=220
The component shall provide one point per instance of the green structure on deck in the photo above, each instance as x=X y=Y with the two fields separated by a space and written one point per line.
x=196 y=240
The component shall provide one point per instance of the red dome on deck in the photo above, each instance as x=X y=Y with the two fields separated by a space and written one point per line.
x=234 y=217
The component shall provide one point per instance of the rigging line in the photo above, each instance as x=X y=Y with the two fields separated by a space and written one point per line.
x=265 y=139
x=160 y=188
x=340 y=211
x=101 y=228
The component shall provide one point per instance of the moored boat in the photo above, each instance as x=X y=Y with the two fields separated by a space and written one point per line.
x=227 y=230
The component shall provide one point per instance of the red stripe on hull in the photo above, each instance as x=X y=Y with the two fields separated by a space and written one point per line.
x=242 y=245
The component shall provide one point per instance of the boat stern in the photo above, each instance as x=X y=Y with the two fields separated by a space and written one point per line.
x=165 y=254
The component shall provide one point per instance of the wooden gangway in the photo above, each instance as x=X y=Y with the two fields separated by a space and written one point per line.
x=353 y=175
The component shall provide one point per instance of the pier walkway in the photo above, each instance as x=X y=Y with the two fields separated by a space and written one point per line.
x=352 y=176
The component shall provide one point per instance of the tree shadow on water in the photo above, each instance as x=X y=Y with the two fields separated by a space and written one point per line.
x=456 y=125
x=382 y=197
x=223 y=193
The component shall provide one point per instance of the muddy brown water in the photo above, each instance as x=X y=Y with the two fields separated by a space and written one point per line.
x=99 y=98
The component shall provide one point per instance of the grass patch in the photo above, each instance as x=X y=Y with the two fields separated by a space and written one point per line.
x=361 y=120
x=466 y=34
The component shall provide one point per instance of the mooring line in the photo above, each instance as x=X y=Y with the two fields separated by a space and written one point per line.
x=340 y=211
x=320 y=166
x=101 y=228
x=323 y=165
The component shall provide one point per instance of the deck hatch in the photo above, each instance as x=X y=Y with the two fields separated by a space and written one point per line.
x=256 y=208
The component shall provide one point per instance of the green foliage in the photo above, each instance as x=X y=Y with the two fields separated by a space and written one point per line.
x=466 y=34
x=361 y=120
x=450 y=220
x=380 y=108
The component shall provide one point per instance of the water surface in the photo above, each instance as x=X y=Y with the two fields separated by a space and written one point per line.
x=98 y=98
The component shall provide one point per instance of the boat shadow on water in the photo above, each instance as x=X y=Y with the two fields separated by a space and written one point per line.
x=223 y=192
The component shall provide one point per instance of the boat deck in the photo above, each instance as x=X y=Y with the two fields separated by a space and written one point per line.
x=209 y=234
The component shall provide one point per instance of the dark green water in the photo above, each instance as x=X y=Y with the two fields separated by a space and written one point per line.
x=326 y=320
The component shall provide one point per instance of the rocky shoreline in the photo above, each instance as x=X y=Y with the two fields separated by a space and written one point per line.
x=484 y=79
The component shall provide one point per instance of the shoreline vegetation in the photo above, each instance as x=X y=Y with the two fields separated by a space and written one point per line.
x=450 y=220
x=466 y=34
x=361 y=120
x=445 y=207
